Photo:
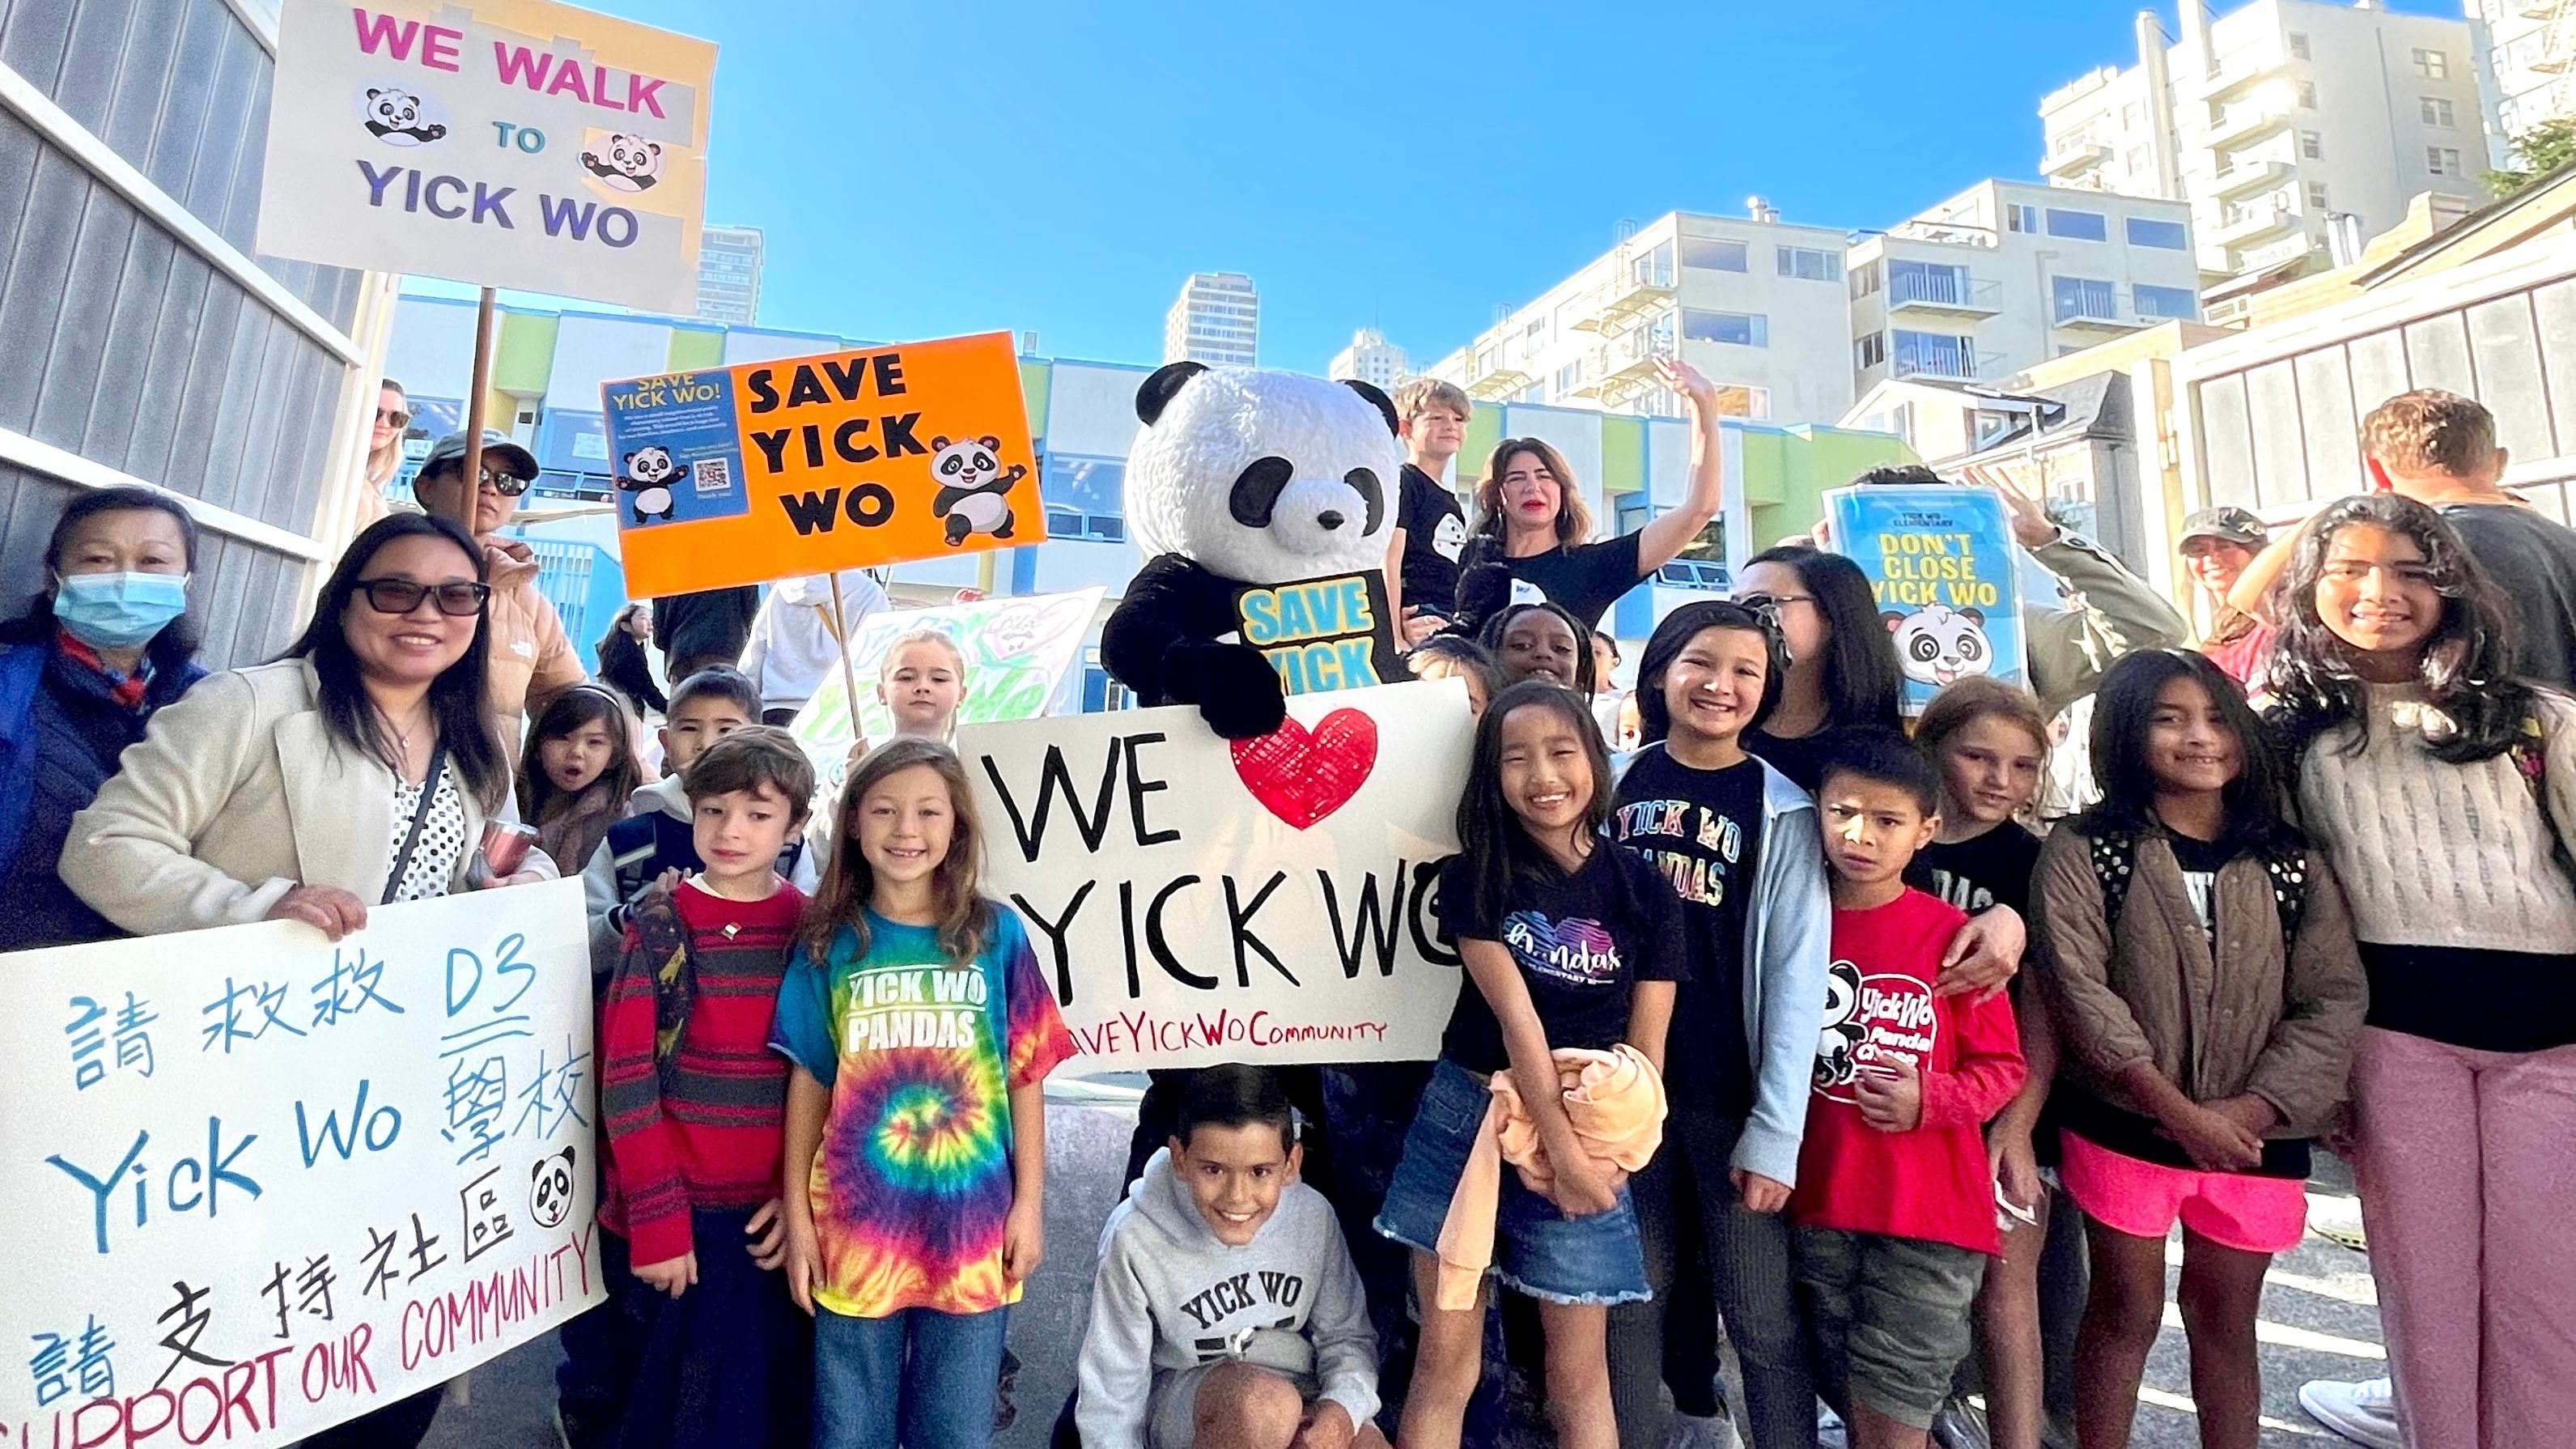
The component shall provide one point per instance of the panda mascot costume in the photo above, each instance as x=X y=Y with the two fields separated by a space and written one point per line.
x=1242 y=477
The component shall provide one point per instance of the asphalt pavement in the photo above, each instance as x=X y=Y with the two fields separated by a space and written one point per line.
x=2319 y=1319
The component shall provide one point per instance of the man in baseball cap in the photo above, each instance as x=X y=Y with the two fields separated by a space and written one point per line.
x=2217 y=544
x=531 y=659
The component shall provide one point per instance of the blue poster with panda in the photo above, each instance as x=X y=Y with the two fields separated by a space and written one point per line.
x=1940 y=561
x=675 y=450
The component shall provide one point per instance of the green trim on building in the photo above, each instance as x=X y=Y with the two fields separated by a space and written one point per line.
x=1787 y=472
x=697 y=349
x=523 y=356
x=1623 y=454
x=1037 y=383
x=1484 y=431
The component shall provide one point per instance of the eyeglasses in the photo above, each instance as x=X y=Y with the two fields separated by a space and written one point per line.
x=401 y=596
x=398 y=418
x=1769 y=605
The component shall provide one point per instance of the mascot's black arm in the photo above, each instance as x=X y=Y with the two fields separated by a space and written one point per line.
x=1161 y=643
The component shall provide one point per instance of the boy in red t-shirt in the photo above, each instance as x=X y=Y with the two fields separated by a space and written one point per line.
x=693 y=1113
x=1895 y=1203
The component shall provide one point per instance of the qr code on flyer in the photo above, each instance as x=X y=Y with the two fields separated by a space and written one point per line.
x=712 y=475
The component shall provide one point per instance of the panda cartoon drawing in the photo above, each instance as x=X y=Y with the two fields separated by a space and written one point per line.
x=550 y=1189
x=1838 y=1044
x=973 y=487
x=1937 y=644
x=629 y=163
x=398 y=117
x=651 y=474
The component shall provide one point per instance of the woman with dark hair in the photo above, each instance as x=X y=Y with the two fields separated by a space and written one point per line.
x=1531 y=523
x=104 y=645
x=356 y=770
x=1842 y=664
x=623 y=666
x=2442 y=789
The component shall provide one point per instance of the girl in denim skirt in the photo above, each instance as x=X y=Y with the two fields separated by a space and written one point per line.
x=1569 y=943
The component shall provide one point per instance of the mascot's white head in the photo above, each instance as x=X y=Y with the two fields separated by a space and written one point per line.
x=1263 y=477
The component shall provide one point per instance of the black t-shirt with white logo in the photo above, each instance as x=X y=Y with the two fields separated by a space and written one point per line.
x=1979 y=874
x=1584 y=580
x=1435 y=530
x=1581 y=942
x=1701 y=830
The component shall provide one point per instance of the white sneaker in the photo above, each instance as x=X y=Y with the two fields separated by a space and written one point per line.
x=2365 y=1412
x=1693 y=1432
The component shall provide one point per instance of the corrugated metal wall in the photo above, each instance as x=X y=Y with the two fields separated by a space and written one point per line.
x=127 y=341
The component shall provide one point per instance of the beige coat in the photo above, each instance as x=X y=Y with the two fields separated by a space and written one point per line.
x=236 y=794
x=2261 y=1015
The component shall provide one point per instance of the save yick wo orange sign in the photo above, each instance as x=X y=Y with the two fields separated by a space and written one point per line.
x=810 y=465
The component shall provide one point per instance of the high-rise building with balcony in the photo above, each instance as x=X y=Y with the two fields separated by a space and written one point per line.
x=2526 y=65
x=2011 y=273
x=729 y=275
x=2276 y=122
x=1371 y=359
x=1216 y=320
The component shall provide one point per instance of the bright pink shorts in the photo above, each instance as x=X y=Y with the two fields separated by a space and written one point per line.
x=2232 y=1209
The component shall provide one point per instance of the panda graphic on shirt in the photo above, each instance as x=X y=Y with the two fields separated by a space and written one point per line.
x=1867 y=1019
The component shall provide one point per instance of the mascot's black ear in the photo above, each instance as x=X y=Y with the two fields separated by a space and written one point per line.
x=1378 y=400
x=1158 y=390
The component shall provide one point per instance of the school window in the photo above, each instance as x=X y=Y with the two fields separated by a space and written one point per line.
x=2432 y=64
x=1083 y=497
x=1811 y=264
x=2165 y=303
x=2019 y=216
x=2443 y=161
x=2298 y=46
x=1738 y=329
x=2436 y=112
x=1713 y=254
x=2312 y=145
x=1872 y=349
x=2078 y=225
x=2148 y=231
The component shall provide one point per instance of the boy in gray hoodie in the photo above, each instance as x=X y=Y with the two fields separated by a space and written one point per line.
x=1226 y=1313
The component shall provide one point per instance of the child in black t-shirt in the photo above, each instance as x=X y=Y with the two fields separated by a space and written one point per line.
x=1736 y=842
x=1568 y=943
x=1989 y=742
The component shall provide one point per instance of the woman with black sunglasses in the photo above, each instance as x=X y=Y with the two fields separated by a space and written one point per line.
x=531 y=658
x=357 y=770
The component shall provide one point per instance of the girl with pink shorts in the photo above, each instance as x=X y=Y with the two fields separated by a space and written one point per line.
x=2198 y=961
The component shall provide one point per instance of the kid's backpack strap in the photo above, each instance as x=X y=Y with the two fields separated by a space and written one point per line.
x=22 y=667
x=2530 y=752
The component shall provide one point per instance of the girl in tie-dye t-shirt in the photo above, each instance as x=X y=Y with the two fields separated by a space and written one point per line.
x=921 y=1030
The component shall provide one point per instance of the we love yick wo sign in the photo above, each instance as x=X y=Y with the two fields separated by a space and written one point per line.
x=1195 y=900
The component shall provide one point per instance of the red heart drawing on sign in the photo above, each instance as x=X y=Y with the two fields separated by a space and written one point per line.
x=1303 y=775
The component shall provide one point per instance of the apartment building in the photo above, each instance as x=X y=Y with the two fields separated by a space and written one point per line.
x=2277 y=121
x=729 y=260
x=1216 y=320
x=2007 y=274
x=1371 y=359
x=2527 y=65
x=1754 y=303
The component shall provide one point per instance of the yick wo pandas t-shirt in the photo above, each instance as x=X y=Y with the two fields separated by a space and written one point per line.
x=1701 y=831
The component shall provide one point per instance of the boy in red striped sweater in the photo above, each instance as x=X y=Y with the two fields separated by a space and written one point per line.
x=692 y=1102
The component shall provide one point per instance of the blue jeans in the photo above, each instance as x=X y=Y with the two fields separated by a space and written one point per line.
x=910 y=1377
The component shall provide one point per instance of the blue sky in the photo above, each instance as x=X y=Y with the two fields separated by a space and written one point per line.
x=932 y=169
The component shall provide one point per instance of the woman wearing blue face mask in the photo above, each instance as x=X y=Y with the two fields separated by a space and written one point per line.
x=107 y=643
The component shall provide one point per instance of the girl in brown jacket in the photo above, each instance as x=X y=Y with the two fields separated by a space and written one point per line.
x=2199 y=961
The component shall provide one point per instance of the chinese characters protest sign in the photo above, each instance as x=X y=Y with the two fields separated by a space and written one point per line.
x=507 y=143
x=740 y=475
x=1195 y=900
x=261 y=1183
x=1940 y=561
